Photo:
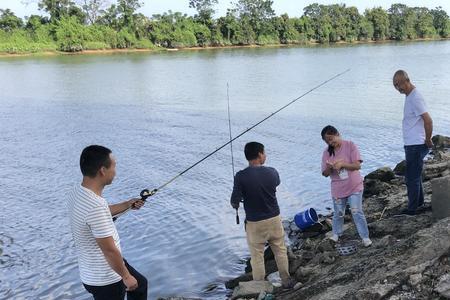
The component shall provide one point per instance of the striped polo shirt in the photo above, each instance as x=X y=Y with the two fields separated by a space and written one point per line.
x=90 y=218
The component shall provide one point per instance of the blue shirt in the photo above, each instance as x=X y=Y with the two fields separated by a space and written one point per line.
x=257 y=187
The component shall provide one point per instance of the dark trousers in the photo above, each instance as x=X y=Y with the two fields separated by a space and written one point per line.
x=414 y=166
x=116 y=291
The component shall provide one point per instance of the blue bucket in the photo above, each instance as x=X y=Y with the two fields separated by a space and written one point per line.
x=306 y=218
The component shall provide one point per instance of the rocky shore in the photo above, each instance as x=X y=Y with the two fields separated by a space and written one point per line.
x=409 y=257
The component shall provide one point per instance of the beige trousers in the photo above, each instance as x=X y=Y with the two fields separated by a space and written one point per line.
x=260 y=232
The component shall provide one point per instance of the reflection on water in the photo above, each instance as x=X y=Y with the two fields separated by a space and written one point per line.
x=159 y=113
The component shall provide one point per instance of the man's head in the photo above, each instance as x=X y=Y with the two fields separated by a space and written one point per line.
x=254 y=151
x=402 y=83
x=97 y=162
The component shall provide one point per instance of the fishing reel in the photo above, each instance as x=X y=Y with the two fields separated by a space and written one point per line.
x=147 y=193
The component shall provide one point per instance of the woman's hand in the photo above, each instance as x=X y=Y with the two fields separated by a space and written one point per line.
x=339 y=164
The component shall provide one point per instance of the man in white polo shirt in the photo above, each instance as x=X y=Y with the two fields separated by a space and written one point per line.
x=103 y=271
x=417 y=131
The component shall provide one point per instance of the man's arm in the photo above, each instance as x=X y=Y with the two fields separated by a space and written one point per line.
x=236 y=195
x=115 y=261
x=428 y=125
x=118 y=208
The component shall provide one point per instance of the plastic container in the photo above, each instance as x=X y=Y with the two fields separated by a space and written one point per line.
x=306 y=218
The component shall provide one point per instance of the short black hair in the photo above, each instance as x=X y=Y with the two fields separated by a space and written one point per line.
x=252 y=150
x=93 y=158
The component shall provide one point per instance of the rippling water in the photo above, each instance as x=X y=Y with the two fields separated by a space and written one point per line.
x=160 y=113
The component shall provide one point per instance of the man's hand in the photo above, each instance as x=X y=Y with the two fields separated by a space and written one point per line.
x=135 y=203
x=429 y=143
x=130 y=282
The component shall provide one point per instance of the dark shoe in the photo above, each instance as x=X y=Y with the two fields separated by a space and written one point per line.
x=289 y=284
x=423 y=208
x=406 y=212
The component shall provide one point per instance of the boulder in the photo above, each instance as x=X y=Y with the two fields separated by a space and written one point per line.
x=435 y=170
x=374 y=187
x=443 y=286
x=400 y=168
x=441 y=142
x=252 y=289
x=231 y=284
x=384 y=174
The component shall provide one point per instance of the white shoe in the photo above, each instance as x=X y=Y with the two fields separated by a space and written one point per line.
x=334 y=238
x=367 y=242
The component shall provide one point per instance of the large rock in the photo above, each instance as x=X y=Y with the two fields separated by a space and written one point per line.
x=384 y=174
x=387 y=269
x=441 y=142
x=252 y=289
x=375 y=187
x=443 y=286
x=400 y=168
x=434 y=170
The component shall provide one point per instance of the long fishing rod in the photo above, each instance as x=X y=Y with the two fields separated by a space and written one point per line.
x=147 y=193
x=231 y=144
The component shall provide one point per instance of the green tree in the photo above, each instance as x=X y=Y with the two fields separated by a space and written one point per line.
x=9 y=21
x=255 y=13
x=401 y=22
x=126 y=10
x=110 y=18
x=366 y=30
x=304 y=26
x=228 y=25
x=441 y=21
x=205 y=10
x=93 y=9
x=320 y=22
x=380 y=22
x=70 y=34
x=424 y=23
x=352 y=23
x=58 y=9
x=287 y=32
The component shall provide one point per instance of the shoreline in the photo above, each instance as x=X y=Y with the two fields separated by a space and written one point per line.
x=198 y=48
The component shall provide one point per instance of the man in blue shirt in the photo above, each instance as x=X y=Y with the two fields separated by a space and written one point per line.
x=256 y=185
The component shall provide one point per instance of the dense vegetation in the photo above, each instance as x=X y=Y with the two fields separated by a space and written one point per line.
x=76 y=25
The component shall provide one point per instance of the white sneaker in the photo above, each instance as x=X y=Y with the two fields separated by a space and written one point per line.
x=334 y=238
x=367 y=242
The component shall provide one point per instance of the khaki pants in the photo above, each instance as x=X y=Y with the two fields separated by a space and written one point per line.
x=258 y=233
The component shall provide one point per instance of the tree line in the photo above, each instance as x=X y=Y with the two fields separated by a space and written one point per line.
x=76 y=25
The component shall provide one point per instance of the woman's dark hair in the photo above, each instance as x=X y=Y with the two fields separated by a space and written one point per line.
x=252 y=150
x=330 y=130
x=93 y=158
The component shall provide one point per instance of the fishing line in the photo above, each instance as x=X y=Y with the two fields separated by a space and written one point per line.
x=231 y=144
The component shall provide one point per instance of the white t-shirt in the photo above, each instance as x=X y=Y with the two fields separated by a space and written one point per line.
x=413 y=125
x=90 y=218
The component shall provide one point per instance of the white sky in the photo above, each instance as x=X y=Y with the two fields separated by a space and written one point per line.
x=293 y=7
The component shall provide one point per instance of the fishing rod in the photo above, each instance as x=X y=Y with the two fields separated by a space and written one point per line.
x=231 y=145
x=148 y=193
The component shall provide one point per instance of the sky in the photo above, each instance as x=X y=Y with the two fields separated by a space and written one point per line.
x=293 y=8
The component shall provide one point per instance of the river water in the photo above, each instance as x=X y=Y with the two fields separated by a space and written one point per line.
x=160 y=113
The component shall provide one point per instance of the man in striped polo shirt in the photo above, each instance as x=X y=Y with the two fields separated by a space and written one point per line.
x=103 y=271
